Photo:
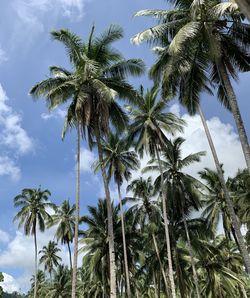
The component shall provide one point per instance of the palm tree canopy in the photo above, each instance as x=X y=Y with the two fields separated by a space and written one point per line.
x=64 y=219
x=151 y=122
x=119 y=158
x=97 y=78
x=192 y=39
x=35 y=205
x=49 y=256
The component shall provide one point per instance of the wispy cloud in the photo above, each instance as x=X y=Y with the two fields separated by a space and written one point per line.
x=3 y=55
x=14 y=139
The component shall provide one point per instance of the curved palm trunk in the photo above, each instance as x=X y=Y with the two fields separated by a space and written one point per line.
x=74 y=273
x=229 y=203
x=110 y=218
x=236 y=113
x=195 y=276
x=124 y=244
x=35 y=242
x=70 y=257
x=164 y=197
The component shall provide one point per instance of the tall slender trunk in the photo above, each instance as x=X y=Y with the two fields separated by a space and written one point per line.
x=236 y=112
x=229 y=203
x=35 y=242
x=110 y=218
x=195 y=276
x=70 y=257
x=160 y=262
x=124 y=243
x=190 y=249
x=164 y=198
x=155 y=285
x=74 y=273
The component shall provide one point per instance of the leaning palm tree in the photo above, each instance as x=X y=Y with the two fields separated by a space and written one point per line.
x=119 y=161
x=150 y=123
x=49 y=257
x=64 y=219
x=97 y=79
x=186 y=73
x=181 y=186
x=34 y=204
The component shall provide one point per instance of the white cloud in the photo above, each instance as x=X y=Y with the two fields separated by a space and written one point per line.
x=56 y=114
x=19 y=254
x=4 y=237
x=225 y=140
x=32 y=12
x=3 y=55
x=12 y=134
x=14 y=140
x=9 y=284
x=86 y=161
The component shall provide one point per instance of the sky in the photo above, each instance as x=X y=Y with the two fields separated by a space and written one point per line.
x=32 y=153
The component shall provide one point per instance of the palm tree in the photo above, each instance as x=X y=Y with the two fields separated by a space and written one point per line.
x=96 y=247
x=97 y=79
x=49 y=257
x=34 y=204
x=215 y=205
x=61 y=286
x=64 y=219
x=180 y=186
x=119 y=161
x=147 y=211
x=216 y=258
x=41 y=285
x=147 y=131
x=187 y=71
x=215 y=28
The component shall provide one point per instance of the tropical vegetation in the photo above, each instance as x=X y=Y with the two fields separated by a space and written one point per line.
x=168 y=231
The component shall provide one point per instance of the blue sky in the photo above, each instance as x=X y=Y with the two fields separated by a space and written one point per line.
x=32 y=152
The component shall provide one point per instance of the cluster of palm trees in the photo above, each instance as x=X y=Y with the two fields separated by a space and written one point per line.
x=151 y=244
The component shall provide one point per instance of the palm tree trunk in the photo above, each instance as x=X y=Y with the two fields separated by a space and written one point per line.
x=236 y=112
x=70 y=257
x=245 y=7
x=124 y=243
x=164 y=198
x=229 y=203
x=74 y=273
x=195 y=276
x=155 y=285
x=110 y=218
x=35 y=242
x=160 y=262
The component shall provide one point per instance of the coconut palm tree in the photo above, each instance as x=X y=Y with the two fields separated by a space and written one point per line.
x=33 y=204
x=218 y=30
x=41 y=284
x=98 y=78
x=216 y=258
x=96 y=248
x=215 y=205
x=180 y=185
x=146 y=209
x=61 y=286
x=150 y=122
x=64 y=219
x=119 y=161
x=187 y=72
x=49 y=257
